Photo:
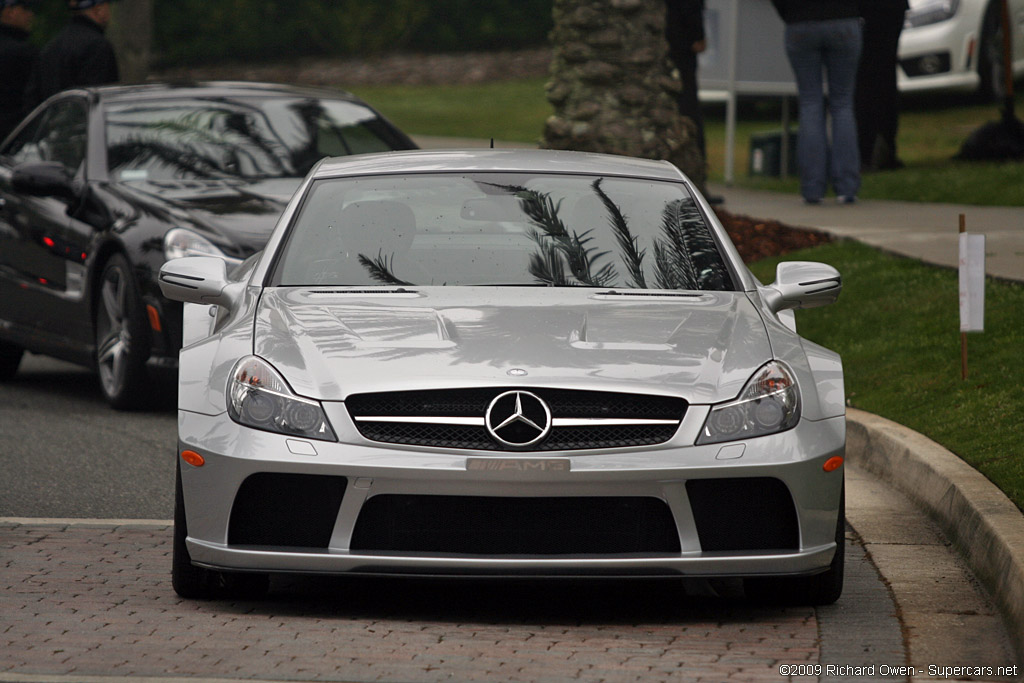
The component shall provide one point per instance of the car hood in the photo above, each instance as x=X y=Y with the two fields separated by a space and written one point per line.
x=242 y=213
x=332 y=343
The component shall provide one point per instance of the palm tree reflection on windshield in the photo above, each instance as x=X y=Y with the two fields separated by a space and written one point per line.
x=554 y=241
x=686 y=255
x=380 y=269
x=202 y=144
x=632 y=256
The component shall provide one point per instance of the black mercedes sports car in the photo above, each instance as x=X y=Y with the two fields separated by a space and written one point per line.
x=100 y=186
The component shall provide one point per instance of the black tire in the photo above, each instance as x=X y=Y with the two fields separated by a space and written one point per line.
x=990 y=56
x=197 y=583
x=819 y=589
x=122 y=336
x=10 y=359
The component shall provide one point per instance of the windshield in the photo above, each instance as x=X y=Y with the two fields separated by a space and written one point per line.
x=238 y=137
x=501 y=229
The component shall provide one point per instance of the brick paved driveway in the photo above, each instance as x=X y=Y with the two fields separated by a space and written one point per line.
x=95 y=600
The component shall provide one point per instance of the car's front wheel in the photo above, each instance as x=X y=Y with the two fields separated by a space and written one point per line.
x=990 y=55
x=192 y=582
x=122 y=336
x=819 y=589
x=10 y=359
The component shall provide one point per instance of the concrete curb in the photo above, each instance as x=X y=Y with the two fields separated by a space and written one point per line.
x=981 y=522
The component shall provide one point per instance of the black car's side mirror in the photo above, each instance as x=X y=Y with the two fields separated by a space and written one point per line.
x=51 y=179
x=45 y=179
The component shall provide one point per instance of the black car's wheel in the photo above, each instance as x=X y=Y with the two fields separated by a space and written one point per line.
x=192 y=582
x=819 y=589
x=990 y=55
x=10 y=359
x=122 y=336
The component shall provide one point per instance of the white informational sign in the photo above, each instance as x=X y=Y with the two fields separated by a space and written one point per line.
x=746 y=51
x=972 y=282
x=745 y=55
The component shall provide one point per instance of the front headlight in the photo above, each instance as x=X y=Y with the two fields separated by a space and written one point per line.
x=180 y=242
x=769 y=403
x=930 y=13
x=259 y=397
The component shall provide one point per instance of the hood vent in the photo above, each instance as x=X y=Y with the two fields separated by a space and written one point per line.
x=400 y=292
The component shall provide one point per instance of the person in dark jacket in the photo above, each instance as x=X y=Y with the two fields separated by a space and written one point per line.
x=825 y=34
x=80 y=55
x=684 y=29
x=877 y=99
x=17 y=60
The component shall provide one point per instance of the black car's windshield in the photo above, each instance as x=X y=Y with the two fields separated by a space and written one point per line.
x=501 y=229
x=246 y=137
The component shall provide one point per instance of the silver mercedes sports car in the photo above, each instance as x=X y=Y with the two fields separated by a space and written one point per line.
x=505 y=363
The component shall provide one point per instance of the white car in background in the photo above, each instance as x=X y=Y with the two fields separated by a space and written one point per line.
x=957 y=45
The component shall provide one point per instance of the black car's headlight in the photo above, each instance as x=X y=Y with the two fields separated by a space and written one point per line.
x=180 y=242
x=769 y=403
x=931 y=13
x=259 y=397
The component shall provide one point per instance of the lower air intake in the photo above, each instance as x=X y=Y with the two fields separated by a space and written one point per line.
x=515 y=526
x=756 y=513
x=286 y=510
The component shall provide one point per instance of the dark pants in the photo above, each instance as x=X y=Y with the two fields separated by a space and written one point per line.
x=877 y=97
x=689 y=105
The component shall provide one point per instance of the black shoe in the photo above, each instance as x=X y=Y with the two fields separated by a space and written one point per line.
x=714 y=199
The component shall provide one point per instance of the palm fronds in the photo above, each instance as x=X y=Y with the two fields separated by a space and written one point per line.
x=632 y=256
x=380 y=269
x=673 y=262
x=687 y=257
x=546 y=265
x=221 y=140
x=553 y=238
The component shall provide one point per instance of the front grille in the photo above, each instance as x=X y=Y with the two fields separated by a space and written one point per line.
x=286 y=510
x=755 y=513
x=454 y=418
x=477 y=525
x=440 y=436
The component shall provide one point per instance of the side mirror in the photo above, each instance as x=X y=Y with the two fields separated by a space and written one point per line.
x=197 y=280
x=45 y=179
x=802 y=284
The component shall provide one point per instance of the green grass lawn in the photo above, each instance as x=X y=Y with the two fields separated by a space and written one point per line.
x=931 y=132
x=514 y=111
x=896 y=325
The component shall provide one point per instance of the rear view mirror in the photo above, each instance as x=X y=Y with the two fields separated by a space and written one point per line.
x=802 y=284
x=494 y=209
x=44 y=179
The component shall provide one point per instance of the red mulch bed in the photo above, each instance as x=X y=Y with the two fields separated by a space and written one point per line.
x=756 y=238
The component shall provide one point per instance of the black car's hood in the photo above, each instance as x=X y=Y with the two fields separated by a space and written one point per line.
x=237 y=212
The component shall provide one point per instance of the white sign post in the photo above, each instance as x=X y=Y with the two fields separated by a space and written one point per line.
x=972 y=289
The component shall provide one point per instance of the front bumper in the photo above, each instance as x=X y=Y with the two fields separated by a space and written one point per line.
x=662 y=473
x=941 y=56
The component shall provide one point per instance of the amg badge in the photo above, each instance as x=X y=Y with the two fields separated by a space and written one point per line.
x=518 y=465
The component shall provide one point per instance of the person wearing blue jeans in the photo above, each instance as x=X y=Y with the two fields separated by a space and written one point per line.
x=825 y=35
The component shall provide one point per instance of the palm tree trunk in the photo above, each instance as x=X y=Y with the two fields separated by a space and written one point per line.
x=131 y=32
x=613 y=87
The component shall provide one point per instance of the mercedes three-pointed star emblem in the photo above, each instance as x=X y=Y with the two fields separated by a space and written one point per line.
x=518 y=419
